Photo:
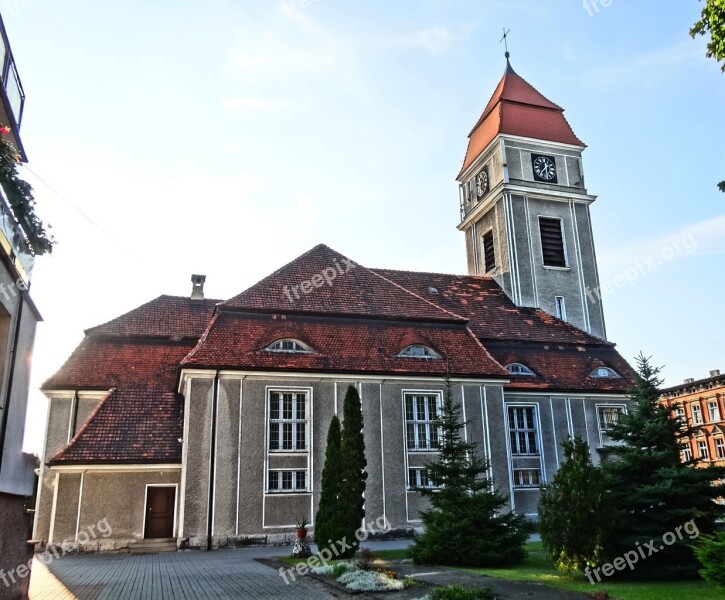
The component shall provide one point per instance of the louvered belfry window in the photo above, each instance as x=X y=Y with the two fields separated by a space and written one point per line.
x=489 y=253
x=552 y=242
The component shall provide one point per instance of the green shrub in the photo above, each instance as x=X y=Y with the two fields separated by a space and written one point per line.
x=458 y=592
x=711 y=554
x=573 y=512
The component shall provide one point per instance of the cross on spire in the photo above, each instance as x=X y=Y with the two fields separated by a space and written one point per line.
x=504 y=39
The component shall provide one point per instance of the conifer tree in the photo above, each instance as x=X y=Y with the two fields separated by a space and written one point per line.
x=352 y=467
x=328 y=521
x=574 y=515
x=653 y=492
x=466 y=523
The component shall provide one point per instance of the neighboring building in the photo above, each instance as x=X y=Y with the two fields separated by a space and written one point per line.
x=18 y=318
x=204 y=422
x=701 y=407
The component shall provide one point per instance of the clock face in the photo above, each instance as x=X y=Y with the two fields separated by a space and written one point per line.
x=482 y=183
x=544 y=168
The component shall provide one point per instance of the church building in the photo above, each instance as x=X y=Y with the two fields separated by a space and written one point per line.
x=190 y=422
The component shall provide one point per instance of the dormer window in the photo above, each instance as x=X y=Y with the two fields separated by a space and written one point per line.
x=519 y=369
x=419 y=351
x=604 y=373
x=293 y=346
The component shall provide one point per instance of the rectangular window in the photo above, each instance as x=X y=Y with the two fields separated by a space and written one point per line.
x=703 y=449
x=286 y=481
x=552 y=242
x=680 y=411
x=526 y=478
x=560 y=308
x=714 y=411
x=696 y=414
x=421 y=430
x=522 y=430
x=489 y=252
x=720 y=447
x=608 y=416
x=686 y=453
x=287 y=421
x=418 y=478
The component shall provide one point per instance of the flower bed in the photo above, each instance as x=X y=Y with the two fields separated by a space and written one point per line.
x=356 y=579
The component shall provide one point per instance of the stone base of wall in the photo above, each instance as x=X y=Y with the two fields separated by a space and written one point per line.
x=125 y=546
x=15 y=554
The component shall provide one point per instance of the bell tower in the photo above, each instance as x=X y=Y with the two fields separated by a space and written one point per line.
x=525 y=208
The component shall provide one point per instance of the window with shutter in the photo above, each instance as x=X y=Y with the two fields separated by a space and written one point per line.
x=552 y=242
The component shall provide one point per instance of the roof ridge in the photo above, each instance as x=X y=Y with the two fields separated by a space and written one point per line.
x=482 y=277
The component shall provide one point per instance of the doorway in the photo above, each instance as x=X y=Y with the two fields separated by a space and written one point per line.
x=160 y=512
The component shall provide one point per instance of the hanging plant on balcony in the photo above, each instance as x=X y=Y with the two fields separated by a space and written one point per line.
x=20 y=197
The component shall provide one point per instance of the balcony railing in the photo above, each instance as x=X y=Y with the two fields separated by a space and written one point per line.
x=10 y=79
x=13 y=240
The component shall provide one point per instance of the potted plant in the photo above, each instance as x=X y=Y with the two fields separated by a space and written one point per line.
x=301 y=527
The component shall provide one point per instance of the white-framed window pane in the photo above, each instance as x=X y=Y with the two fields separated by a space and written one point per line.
x=522 y=430
x=421 y=412
x=696 y=413
x=720 y=447
x=527 y=478
x=687 y=454
x=702 y=447
x=714 y=411
x=287 y=422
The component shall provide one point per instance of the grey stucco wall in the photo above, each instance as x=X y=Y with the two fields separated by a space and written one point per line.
x=14 y=551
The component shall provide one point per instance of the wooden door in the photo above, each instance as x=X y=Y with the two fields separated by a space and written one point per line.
x=160 y=512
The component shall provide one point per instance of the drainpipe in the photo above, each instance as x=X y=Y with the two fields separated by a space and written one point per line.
x=11 y=374
x=212 y=463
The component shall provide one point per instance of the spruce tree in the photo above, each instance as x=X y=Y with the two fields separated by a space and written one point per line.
x=352 y=467
x=328 y=520
x=573 y=511
x=653 y=492
x=466 y=523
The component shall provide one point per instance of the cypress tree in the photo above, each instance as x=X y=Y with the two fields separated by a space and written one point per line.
x=653 y=492
x=466 y=524
x=573 y=512
x=352 y=468
x=328 y=520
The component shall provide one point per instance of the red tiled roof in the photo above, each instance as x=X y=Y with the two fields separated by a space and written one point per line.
x=491 y=313
x=165 y=316
x=106 y=362
x=563 y=367
x=237 y=340
x=354 y=291
x=129 y=426
x=517 y=108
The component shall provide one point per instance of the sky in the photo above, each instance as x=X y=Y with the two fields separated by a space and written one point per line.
x=227 y=137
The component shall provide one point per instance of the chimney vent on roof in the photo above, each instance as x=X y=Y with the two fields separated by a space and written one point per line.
x=715 y=373
x=690 y=380
x=197 y=287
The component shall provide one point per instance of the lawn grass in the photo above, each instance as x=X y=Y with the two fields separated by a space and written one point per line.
x=393 y=554
x=536 y=568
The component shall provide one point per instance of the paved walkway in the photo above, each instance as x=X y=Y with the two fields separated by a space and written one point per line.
x=193 y=575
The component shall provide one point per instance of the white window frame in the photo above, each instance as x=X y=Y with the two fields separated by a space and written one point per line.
x=696 y=409
x=516 y=368
x=567 y=264
x=600 y=424
x=687 y=453
x=714 y=416
x=293 y=421
x=526 y=485
x=560 y=303
x=418 y=483
x=293 y=489
x=700 y=443
x=536 y=430
x=428 y=423
x=720 y=448
x=486 y=269
x=303 y=348
x=431 y=356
